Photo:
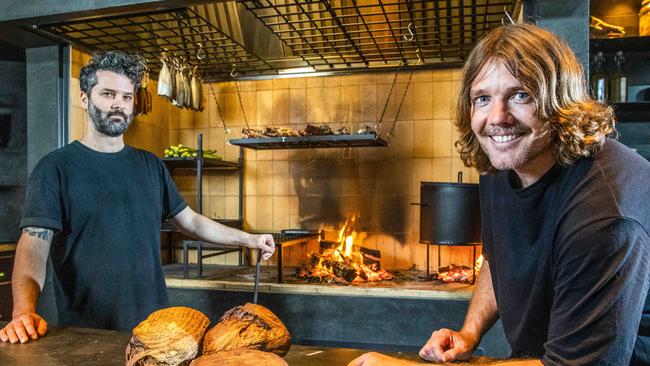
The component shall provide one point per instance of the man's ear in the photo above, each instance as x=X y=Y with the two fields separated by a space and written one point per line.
x=84 y=100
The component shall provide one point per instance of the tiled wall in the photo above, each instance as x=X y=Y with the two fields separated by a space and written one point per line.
x=304 y=188
x=307 y=188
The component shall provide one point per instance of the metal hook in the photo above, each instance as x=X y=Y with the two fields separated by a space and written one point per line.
x=409 y=39
x=234 y=73
x=419 y=54
x=505 y=10
x=200 y=53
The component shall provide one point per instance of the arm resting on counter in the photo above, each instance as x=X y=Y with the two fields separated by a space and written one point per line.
x=446 y=345
x=202 y=228
x=27 y=282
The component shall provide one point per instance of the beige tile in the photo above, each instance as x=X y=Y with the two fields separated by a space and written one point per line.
x=280 y=212
x=422 y=172
x=231 y=181
x=231 y=152
x=315 y=82
x=216 y=185
x=232 y=207
x=331 y=81
x=423 y=144
x=442 y=170
x=280 y=107
x=331 y=103
x=217 y=207
x=315 y=105
x=250 y=178
x=280 y=154
x=264 y=178
x=443 y=99
x=386 y=245
x=280 y=178
x=297 y=107
x=294 y=212
x=402 y=142
x=350 y=112
x=264 y=107
x=264 y=213
x=368 y=105
x=423 y=100
x=280 y=84
x=186 y=137
x=297 y=83
x=352 y=79
x=422 y=76
x=458 y=166
x=474 y=176
x=403 y=253
x=442 y=138
x=250 y=212
x=367 y=78
x=202 y=118
x=264 y=84
x=217 y=140
x=231 y=110
x=186 y=118
x=442 y=75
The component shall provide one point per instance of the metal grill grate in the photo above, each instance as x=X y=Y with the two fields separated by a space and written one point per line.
x=324 y=35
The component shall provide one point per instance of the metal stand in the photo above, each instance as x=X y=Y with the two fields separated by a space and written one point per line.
x=473 y=245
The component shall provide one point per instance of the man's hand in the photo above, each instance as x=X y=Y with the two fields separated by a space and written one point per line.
x=265 y=243
x=446 y=345
x=24 y=327
x=377 y=359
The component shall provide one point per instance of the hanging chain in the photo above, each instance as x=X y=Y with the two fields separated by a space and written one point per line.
x=241 y=104
x=399 y=108
x=223 y=123
x=383 y=112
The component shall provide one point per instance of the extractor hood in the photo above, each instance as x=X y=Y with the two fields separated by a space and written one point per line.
x=262 y=38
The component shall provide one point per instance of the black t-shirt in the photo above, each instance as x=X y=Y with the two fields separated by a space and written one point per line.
x=106 y=210
x=570 y=259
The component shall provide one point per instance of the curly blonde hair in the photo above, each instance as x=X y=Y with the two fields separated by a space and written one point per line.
x=550 y=72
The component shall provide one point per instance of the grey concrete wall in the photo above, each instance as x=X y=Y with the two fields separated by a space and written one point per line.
x=13 y=157
x=568 y=19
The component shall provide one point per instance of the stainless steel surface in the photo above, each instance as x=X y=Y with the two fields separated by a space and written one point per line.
x=69 y=346
x=248 y=38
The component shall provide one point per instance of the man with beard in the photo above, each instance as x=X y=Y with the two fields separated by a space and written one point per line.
x=564 y=209
x=96 y=206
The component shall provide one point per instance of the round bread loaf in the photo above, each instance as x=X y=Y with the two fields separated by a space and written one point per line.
x=240 y=357
x=167 y=337
x=250 y=326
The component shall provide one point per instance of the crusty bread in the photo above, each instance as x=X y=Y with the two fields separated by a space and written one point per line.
x=250 y=326
x=240 y=357
x=168 y=337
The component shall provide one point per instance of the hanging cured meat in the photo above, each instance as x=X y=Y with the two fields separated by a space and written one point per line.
x=165 y=87
x=196 y=92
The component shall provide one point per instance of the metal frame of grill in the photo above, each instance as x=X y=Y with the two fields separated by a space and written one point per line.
x=325 y=35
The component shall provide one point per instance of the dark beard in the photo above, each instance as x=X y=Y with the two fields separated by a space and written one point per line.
x=103 y=122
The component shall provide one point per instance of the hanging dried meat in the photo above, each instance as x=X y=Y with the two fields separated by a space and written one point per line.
x=187 y=88
x=196 y=92
x=168 y=337
x=165 y=87
x=179 y=93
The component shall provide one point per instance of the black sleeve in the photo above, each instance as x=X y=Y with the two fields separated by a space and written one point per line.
x=601 y=275
x=42 y=206
x=173 y=202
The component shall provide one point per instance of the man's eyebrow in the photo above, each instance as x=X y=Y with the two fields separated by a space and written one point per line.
x=477 y=92
x=114 y=91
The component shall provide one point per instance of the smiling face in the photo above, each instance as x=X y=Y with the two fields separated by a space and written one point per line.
x=503 y=118
x=110 y=105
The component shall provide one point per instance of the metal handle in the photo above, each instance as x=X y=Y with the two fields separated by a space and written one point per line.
x=257 y=275
x=420 y=204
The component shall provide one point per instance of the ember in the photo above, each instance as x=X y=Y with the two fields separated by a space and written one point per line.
x=454 y=273
x=343 y=261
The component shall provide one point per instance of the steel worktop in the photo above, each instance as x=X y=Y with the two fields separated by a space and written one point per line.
x=82 y=346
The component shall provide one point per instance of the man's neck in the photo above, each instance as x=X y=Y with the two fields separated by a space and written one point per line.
x=534 y=169
x=102 y=143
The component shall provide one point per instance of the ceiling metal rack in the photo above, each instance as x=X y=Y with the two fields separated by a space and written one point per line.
x=325 y=35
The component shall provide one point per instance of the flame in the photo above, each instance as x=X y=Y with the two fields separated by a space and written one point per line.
x=341 y=263
x=479 y=263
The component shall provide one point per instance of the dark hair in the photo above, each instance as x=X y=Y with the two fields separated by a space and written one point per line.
x=549 y=70
x=131 y=66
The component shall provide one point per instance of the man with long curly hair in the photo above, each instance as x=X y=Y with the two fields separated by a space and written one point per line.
x=564 y=209
x=95 y=206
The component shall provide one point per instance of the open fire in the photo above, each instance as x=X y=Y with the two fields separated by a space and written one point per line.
x=344 y=261
x=459 y=273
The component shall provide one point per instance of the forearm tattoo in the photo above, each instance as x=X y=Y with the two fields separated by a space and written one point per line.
x=45 y=234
